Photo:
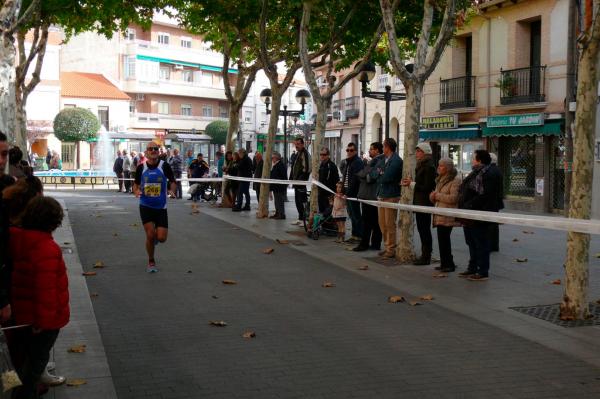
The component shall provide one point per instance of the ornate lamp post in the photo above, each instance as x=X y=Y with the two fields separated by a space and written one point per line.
x=302 y=97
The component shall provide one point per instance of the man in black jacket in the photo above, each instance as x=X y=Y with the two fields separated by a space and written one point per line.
x=351 y=184
x=300 y=170
x=329 y=176
x=278 y=172
x=481 y=191
x=371 y=234
x=118 y=169
x=244 y=170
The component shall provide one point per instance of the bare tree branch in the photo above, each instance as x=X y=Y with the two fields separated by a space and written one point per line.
x=25 y=17
x=387 y=10
x=41 y=53
x=424 y=37
x=446 y=32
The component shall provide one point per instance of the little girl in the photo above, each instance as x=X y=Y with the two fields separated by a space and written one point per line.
x=339 y=212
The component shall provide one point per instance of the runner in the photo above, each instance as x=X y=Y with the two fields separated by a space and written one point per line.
x=151 y=187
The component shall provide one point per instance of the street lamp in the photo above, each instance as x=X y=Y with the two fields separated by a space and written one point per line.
x=302 y=97
x=367 y=74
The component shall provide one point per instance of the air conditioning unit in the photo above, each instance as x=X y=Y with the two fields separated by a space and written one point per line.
x=139 y=97
x=179 y=67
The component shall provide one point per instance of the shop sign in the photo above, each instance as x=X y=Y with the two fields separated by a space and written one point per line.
x=515 y=120
x=332 y=133
x=439 y=122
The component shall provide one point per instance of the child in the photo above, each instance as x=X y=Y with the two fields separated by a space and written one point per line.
x=339 y=213
x=39 y=289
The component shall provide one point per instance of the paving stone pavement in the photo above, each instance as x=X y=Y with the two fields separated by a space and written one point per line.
x=311 y=342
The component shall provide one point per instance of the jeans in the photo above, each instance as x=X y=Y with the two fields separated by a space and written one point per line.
x=279 y=198
x=300 y=198
x=424 y=228
x=387 y=224
x=243 y=191
x=354 y=214
x=477 y=239
x=371 y=231
x=445 y=246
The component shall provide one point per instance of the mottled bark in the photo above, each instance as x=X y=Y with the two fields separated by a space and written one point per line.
x=322 y=105
x=263 y=201
x=8 y=18
x=575 y=302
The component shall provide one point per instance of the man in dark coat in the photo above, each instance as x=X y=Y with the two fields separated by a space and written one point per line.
x=371 y=234
x=118 y=169
x=300 y=170
x=423 y=185
x=278 y=172
x=329 y=176
x=481 y=190
x=257 y=167
x=351 y=184
x=244 y=170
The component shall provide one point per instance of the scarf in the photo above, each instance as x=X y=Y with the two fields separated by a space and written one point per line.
x=475 y=178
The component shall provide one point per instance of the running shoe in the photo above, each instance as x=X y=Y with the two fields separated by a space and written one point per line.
x=152 y=267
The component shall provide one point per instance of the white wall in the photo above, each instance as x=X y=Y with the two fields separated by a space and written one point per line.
x=118 y=110
x=90 y=52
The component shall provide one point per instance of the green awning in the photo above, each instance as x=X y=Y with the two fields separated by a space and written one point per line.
x=189 y=64
x=461 y=133
x=551 y=127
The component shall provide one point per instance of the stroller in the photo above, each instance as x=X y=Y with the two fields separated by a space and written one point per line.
x=322 y=223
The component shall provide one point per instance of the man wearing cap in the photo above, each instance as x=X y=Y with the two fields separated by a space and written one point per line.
x=423 y=185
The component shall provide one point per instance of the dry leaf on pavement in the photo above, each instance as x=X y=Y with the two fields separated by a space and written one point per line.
x=218 y=323
x=521 y=260
x=396 y=299
x=94 y=295
x=427 y=297
x=515 y=239
x=134 y=225
x=77 y=349
x=76 y=382
x=214 y=297
x=556 y=282
x=365 y=267
x=229 y=282
x=98 y=265
x=282 y=241
x=235 y=228
x=328 y=284
x=268 y=251
x=249 y=334
x=528 y=232
x=415 y=303
x=115 y=234
x=440 y=275
x=87 y=274
x=66 y=243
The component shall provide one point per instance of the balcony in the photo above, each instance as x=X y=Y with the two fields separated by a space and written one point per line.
x=522 y=86
x=172 y=52
x=171 y=121
x=352 y=107
x=174 y=87
x=457 y=93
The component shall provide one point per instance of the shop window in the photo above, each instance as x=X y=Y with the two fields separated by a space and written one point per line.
x=517 y=160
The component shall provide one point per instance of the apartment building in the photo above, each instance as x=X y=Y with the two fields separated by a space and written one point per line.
x=501 y=85
x=172 y=77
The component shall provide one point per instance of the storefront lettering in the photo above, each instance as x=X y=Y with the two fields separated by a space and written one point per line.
x=439 y=122
x=515 y=120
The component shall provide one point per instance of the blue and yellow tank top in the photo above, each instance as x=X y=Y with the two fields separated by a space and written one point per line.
x=154 y=187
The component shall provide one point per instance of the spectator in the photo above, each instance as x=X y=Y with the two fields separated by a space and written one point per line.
x=55 y=162
x=197 y=170
x=300 y=170
x=189 y=158
x=278 y=172
x=220 y=163
x=445 y=196
x=494 y=227
x=176 y=163
x=233 y=171
x=481 y=190
x=127 y=171
x=227 y=201
x=354 y=164
x=16 y=197
x=257 y=166
x=329 y=176
x=371 y=234
x=388 y=173
x=118 y=169
x=39 y=293
x=422 y=186
x=244 y=170
x=339 y=212
x=15 y=168
x=48 y=158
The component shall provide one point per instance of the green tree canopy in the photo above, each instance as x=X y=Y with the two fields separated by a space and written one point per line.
x=217 y=131
x=75 y=124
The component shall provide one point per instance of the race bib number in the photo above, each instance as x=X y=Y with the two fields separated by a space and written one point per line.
x=152 y=189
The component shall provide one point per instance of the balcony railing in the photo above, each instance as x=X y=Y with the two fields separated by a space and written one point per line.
x=144 y=117
x=457 y=92
x=352 y=107
x=336 y=105
x=523 y=85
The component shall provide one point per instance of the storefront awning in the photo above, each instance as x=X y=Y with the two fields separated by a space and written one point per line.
x=551 y=127
x=184 y=63
x=461 y=133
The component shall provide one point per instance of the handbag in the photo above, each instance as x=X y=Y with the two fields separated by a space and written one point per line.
x=8 y=375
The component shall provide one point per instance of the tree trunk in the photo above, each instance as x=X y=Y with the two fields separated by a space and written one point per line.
x=8 y=17
x=263 y=203
x=20 y=120
x=234 y=124
x=574 y=305
x=405 y=252
x=322 y=106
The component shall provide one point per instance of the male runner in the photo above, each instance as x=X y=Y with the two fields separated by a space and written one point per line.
x=150 y=185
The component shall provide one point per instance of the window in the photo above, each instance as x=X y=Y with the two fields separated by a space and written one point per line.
x=130 y=67
x=165 y=73
x=69 y=106
x=130 y=34
x=223 y=111
x=163 y=38
x=186 y=42
x=186 y=109
x=206 y=78
x=163 y=108
x=248 y=116
x=132 y=107
x=207 y=110
x=103 y=116
x=187 y=76
x=382 y=81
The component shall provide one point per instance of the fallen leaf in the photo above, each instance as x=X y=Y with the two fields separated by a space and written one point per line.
x=115 y=234
x=87 y=274
x=214 y=297
x=94 y=295
x=189 y=271
x=235 y=228
x=415 y=303
x=282 y=241
x=521 y=260
x=76 y=382
x=98 y=216
x=77 y=349
x=440 y=275
x=396 y=299
x=99 y=265
x=427 y=297
x=218 y=323
x=556 y=282
x=528 y=232
x=134 y=225
x=229 y=282
x=328 y=284
x=365 y=267
x=249 y=334
x=597 y=255
x=66 y=243
x=268 y=251
x=515 y=239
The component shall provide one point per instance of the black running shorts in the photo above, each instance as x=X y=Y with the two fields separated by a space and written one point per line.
x=156 y=216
